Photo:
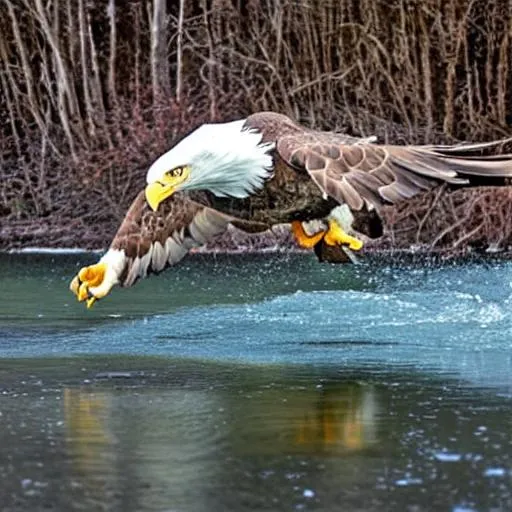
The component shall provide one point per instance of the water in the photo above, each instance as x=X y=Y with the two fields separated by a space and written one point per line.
x=257 y=383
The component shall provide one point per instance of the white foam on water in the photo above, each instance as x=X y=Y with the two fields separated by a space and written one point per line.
x=447 y=457
x=495 y=472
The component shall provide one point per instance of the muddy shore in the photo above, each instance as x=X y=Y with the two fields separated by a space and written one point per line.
x=460 y=224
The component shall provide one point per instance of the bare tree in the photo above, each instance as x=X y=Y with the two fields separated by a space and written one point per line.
x=90 y=92
x=159 y=58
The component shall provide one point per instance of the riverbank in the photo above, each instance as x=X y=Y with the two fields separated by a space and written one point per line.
x=441 y=225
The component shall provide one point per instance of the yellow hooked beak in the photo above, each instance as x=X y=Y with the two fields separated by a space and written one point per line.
x=156 y=192
x=165 y=187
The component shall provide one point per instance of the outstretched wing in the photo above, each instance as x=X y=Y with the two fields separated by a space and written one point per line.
x=358 y=172
x=151 y=241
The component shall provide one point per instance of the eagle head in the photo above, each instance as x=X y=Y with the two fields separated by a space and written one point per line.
x=228 y=159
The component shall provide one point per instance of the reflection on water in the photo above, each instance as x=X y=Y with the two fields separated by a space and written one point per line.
x=119 y=455
x=338 y=418
x=86 y=417
x=333 y=418
x=343 y=419
x=150 y=435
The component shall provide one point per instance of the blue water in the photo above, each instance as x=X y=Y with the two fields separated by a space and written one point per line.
x=263 y=382
x=272 y=309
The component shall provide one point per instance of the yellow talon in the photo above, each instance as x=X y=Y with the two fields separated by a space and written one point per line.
x=74 y=285
x=91 y=301
x=302 y=238
x=83 y=292
x=88 y=277
x=93 y=275
x=336 y=236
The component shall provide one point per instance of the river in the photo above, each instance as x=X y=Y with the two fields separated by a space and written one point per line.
x=257 y=382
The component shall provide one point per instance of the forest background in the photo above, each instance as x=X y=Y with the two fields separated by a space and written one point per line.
x=92 y=91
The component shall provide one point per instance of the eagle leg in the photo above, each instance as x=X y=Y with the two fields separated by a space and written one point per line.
x=88 y=277
x=302 y=238
x=337 y=236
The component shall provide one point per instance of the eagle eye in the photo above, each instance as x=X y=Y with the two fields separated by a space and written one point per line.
x=176 y=172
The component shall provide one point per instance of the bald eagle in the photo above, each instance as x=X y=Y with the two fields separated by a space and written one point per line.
x=265 y=170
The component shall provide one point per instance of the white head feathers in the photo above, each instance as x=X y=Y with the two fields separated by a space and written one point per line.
x=227 y=159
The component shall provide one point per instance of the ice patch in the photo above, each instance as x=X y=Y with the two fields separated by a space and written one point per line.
x=53 y=250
